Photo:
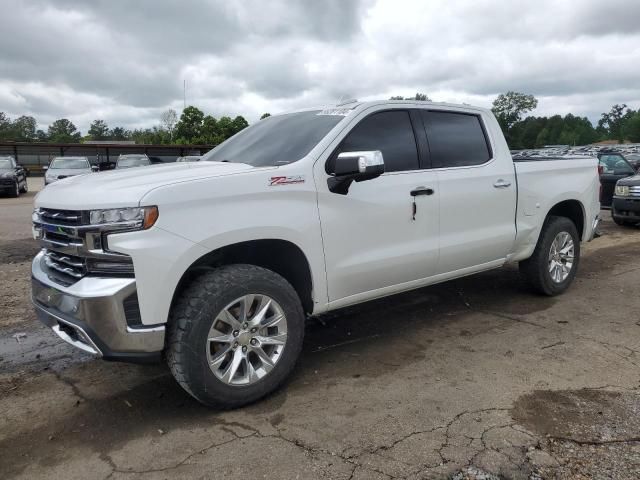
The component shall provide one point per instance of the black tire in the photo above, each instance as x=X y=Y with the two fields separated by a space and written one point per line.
x=194 y=312
x=535 y=270
x=16 y=190
x=25 y=188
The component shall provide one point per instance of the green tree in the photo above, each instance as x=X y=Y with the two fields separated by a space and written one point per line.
x=210 y=133
x=238 y=123
x=63 y=131
x=5 y=127
x=510 y=107
x=265 y=115
x=24 y=129
x=612 y=122
x=189 y=127
x=632 y=128
x=99 y=130
x=119 y=133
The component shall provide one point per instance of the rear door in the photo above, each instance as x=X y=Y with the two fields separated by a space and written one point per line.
x=613 y=167
x=477 y=191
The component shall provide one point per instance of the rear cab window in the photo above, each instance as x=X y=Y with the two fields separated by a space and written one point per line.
x=456 y=139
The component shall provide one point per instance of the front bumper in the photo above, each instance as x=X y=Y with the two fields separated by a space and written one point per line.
x=90 y=315
x=626 y=208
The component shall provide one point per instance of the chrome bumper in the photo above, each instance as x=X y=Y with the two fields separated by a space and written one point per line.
x=90 y=315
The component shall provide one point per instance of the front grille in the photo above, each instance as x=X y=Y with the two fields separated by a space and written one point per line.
x=68 y=265
x=634 y=191
x=74 y=248
x=61 y=217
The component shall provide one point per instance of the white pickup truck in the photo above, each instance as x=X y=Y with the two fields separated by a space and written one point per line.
x=215 y=265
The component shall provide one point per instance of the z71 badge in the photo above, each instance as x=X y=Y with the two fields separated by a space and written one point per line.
x=290 y=180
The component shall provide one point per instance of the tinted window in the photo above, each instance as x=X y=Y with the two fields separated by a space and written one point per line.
x=615 y=164
x=276 y=140
x=455 y=139
x=389 y=132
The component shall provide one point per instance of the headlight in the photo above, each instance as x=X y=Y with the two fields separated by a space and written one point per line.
x=135 y=218
x=7 y=175
x=622 y=190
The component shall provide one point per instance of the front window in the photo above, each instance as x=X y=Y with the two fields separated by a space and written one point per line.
x=70 y=163
x=6 y=162
x=276 y=140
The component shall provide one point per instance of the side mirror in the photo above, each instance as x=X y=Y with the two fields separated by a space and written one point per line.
x=355 y=166
x=94 y=168
x=45 y=168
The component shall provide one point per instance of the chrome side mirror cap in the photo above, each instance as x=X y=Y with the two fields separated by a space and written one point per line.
x=355 y=166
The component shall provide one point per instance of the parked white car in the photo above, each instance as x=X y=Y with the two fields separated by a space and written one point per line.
x=131 y=160
x=217 y=264
x=64 y=167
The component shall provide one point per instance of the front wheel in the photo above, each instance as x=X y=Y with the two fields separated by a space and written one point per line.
x=235 y=334
x=25 y=187
x=554 y=263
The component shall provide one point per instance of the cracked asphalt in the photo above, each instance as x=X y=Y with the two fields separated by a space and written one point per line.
x=469 y=378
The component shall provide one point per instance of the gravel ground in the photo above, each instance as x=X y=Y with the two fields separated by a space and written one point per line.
x=472 y=379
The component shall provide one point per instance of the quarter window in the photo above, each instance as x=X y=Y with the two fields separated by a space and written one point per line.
x=455 y=139
x=391 y=133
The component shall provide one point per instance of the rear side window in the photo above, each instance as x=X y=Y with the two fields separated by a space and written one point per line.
x=391 y=133
x=455 y=139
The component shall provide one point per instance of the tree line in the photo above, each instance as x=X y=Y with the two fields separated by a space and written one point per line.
x=621 y=124
x=192 y=127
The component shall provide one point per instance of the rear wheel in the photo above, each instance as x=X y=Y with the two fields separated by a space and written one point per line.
x=554 y=263
x=235 y=334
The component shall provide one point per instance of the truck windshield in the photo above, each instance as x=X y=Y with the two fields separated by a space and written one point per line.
x=70 y=162
x=276 y=140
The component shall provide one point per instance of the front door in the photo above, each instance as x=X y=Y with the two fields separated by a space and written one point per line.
x=373 y=243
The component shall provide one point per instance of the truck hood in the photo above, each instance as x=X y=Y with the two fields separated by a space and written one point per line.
x=125 y=187
x=630 y=181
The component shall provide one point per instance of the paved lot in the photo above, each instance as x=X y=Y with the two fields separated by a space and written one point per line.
x=472 y=374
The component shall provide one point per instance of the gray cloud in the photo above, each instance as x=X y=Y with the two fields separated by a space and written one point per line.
x=126 y=61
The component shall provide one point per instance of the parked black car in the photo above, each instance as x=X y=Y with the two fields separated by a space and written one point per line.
x=625 y=209
x=612 y=167
x=13 y=177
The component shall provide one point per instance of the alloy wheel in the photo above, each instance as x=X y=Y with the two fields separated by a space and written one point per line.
x=246 y=339
x=561 y=257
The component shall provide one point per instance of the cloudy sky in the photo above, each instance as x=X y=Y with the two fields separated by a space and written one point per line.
x=125 y=61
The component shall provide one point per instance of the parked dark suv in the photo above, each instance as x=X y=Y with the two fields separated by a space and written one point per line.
x=625 y=209
x=612 y=167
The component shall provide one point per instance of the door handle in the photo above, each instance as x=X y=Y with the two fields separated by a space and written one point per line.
x=502 y=184
x=421 y=191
